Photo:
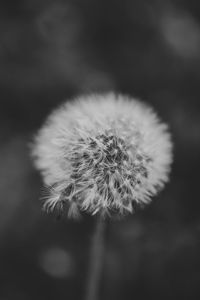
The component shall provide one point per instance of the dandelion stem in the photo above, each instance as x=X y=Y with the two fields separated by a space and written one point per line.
x=96 y=260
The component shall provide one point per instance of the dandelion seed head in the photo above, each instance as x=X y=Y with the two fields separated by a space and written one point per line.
x=102 y=154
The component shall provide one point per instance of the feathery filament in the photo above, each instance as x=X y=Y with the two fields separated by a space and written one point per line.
x=101 y=160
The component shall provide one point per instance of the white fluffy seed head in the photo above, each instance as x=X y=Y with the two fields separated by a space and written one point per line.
x=103 y=154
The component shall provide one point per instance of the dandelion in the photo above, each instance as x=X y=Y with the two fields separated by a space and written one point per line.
x=103 y=154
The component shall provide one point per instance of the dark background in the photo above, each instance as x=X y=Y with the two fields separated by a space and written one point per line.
x=53 y=50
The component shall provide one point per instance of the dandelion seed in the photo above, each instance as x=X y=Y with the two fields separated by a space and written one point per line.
x=103 y=154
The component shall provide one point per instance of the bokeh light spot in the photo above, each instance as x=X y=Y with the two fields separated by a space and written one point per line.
x=182 y=33
x=57 y=262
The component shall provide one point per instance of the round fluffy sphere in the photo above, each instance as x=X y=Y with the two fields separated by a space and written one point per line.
x=102 y=154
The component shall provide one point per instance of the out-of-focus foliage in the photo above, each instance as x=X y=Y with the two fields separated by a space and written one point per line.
x=53 y=50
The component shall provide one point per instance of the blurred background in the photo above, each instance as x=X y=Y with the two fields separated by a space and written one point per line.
x=54 y=50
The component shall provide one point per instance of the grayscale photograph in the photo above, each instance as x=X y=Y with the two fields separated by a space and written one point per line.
x=100 y=150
